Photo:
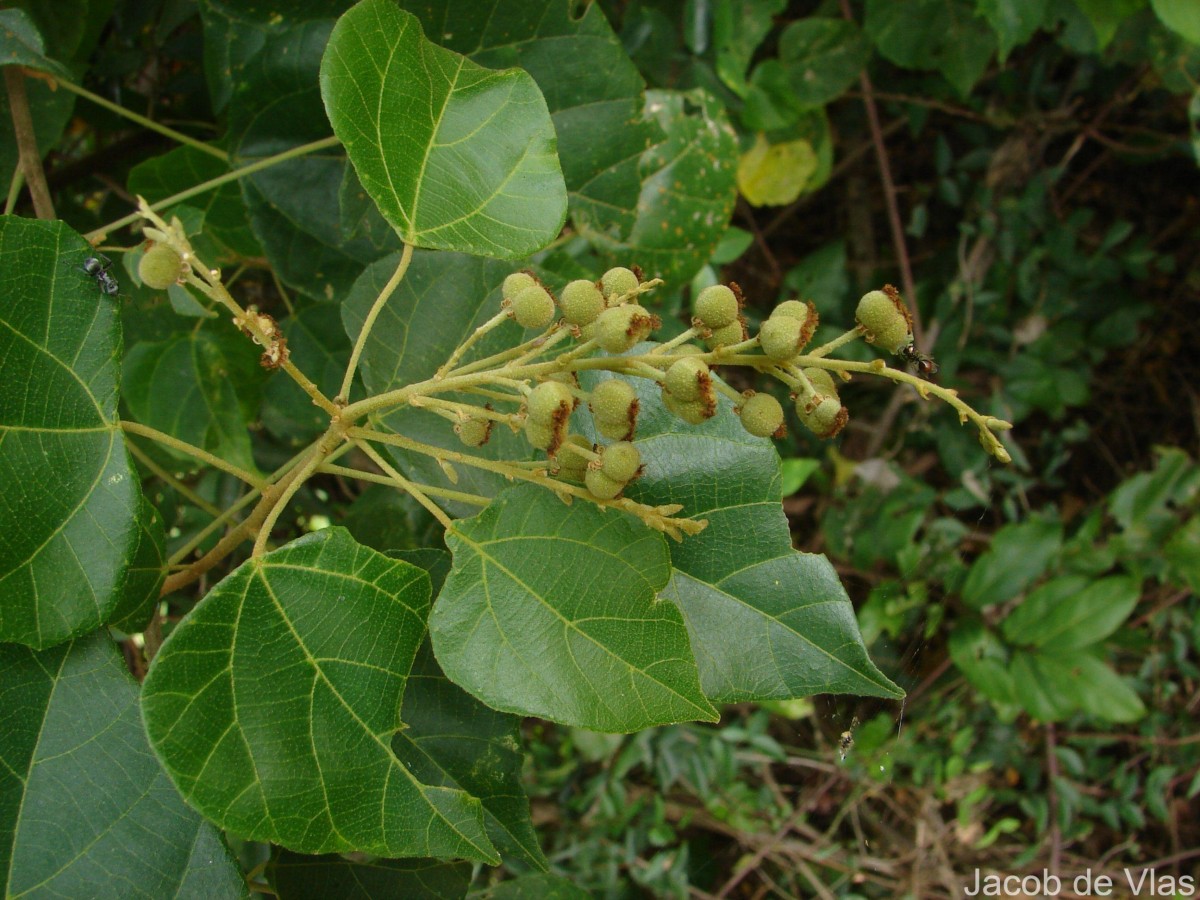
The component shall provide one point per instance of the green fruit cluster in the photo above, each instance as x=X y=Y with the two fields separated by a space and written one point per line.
x=619 y=464
x=884 y=319
x=614 y=406
x=617 y=283
x=474 y=431
x=788 y=330
x=716 y=307
x=547 y=413
x=821 y=412
x=619 y=328
x=530 y=304
x=762 y=415
x=581 y=302
x=688 y=390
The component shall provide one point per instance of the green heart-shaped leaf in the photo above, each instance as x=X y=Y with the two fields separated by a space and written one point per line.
x=68 y=494
x=273 y=706
x=550 y=611
x=87 y=810
x=456 y=156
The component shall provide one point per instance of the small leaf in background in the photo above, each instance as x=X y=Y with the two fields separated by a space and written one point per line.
x=550 y=610
x=1051 y=685
x=1013 y=21
x=1107 y=15
x=945 y=35
x=298 y=877
x=68 y=494
x=1181 y=16
x=202 y=387
x=1145 y=505
x=287 y=678
x=1182 y=553
x=734 y=243
x=821 y=58
x=739 y=26
x=1072 y=612
x=1019 y=554
x=687 y=191
x=1043 y=684
x=775 y=174
x=456 y=156
x=541 y=886
x=21 y=44
x=983 y=658
x=85 y=803
x=795 y=473
x=1194 y=123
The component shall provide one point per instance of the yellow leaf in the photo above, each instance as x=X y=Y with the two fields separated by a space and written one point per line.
x=775 y=174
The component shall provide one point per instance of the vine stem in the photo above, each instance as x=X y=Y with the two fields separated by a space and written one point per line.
x=99 y=234
x=369 y=323
x=317 y=455
x=839 y=341
x=28 y=157
x=143 y=121
x=376 y=478
x=235 y=536
x=208 y=281
x=462 y=348
x=490 y=465
x=417 y=494
x=176 y=485
x=244 y=501
x=191 y=450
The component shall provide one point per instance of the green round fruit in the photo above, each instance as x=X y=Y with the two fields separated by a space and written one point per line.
x=160 y=267
x=621 y=461
x=884 y=319
x=822 y=381
x=780 y=338
x=791 y=309
x=550 y=402
x=581 y=302
x=762 y=415
x=613 y=400
x=716 y=306
x=539 y=435
x=689 y=379
x=694 y=412
x=515 y=283
x=602 y=486
x=824 y=420
x=533 y=307
x=732 y=333
x=474 y=432
x=618 y=281
x=570 y=464
x=620 y=327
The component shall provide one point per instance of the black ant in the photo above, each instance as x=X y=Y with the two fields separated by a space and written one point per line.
x=98 y=269
x=926 y=367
